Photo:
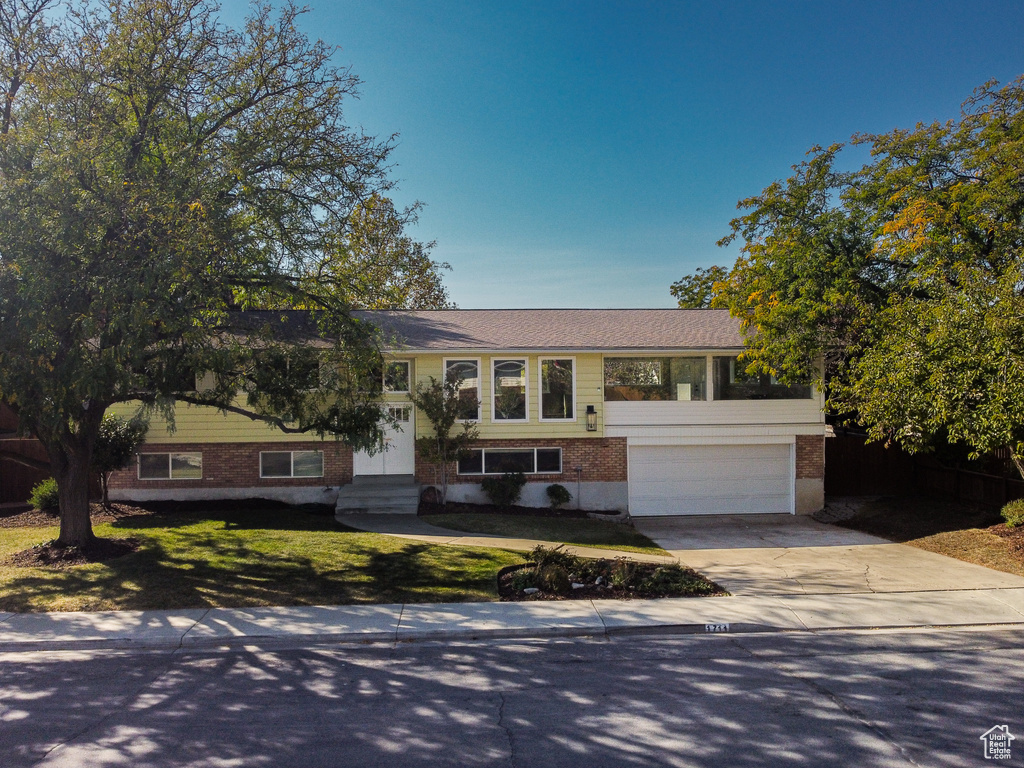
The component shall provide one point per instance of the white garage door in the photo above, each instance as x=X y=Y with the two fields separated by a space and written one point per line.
x=709 y=479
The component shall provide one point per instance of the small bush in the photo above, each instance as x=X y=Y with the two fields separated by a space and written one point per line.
x=544 y=556
x=44 y=495
x=504 y=491
x=524 y=579
x=623 y=572
x=1013 y=513
x=558 y=495
x=554 y=579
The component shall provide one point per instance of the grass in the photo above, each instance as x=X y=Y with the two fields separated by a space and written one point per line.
x=582 y=532
x=945 y=527
x=248 y=558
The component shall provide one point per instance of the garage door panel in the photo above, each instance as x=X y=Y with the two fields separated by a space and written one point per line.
x=711 y=479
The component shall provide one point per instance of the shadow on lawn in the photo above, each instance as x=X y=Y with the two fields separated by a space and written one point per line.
x=201 y=569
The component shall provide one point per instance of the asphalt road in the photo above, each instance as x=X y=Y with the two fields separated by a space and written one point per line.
x=838 y=699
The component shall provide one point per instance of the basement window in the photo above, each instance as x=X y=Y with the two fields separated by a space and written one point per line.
x=170 y=466
x=291 y=464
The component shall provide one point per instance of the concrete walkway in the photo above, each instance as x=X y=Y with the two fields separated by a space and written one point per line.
x=793 y=554
x=224 y=627
x=417 y=529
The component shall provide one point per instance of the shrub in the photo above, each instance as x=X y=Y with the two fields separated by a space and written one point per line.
x=544 y=556
x=558 y=495
x=554 y=579
x=504 y=491
x=44 y=495
x=1013 y=513
x=623 y=572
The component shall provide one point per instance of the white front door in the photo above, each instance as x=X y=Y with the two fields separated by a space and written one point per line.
x=399 y=454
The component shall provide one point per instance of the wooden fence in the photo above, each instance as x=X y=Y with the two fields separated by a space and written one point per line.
x=856 y=468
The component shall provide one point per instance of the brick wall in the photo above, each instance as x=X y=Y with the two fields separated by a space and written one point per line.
x=237 y=465
x=602 y=459
x=810 y=456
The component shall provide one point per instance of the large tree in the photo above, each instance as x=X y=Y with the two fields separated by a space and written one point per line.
x=158 y=172
x=906 y=277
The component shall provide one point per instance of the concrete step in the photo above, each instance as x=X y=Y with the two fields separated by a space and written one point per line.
x=379 y=494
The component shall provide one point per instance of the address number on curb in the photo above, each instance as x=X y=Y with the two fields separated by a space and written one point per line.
x=716 y=627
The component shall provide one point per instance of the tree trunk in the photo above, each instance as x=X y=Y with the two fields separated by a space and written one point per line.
x=71 y=470
x=1018 y=461
x=104 y=476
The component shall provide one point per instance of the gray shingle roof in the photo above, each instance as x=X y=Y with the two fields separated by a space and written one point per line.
x=565 y=329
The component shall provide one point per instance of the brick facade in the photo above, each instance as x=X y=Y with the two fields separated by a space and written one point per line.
x=602 y=460
x=237 y=465
x=810 y=457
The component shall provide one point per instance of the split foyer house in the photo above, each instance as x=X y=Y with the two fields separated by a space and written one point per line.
x=645 y=410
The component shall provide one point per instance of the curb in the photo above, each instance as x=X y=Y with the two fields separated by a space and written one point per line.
x=419 y=636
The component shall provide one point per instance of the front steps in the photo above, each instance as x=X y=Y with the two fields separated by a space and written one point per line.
x=379 y=494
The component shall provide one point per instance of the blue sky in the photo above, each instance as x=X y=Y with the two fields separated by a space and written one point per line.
x=588 y=154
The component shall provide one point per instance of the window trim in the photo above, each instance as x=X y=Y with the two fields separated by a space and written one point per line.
x=480 y=383
x=408 y=378
x=526 y=390
x=495 y=449
x=168 y=454
x=292 y=476
x=540 y=389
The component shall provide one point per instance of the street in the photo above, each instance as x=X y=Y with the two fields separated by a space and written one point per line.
x=894 y=698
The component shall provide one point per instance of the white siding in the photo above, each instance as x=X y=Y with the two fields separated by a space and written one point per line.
x=760 y=412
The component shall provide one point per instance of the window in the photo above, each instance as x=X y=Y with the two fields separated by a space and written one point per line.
x=291 y=464
x=400 y=412
x=732 y=382
x=655 y=378
x=299 y=366
x=468 y=372
x=497 y=461
x=170 y=466
x=509 y=402
x=557 y=389
x=396 y=376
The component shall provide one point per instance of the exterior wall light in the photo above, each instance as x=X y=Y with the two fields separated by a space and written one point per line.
x=591 y=419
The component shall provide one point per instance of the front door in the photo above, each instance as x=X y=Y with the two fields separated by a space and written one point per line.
x=399 y=454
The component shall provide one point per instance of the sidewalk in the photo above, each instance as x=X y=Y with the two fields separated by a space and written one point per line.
x=225 y=627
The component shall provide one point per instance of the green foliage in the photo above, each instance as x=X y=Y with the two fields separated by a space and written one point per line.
x=380 y=266
x=442 y=403
x=623 y=572
x=44 y=495
x=158 y=172
x=542 y=556
x=503 y=490
x=554 y=579
x=115 y=445
x=697 y=291
x=558 y=495
x=1013 y=513
x=903 y=278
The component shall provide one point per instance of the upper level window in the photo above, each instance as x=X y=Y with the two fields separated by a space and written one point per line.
x=557 y=389
x=468 y=372
x=732 y=382
x=396 y=376
x=655 y=378
x=509 y=390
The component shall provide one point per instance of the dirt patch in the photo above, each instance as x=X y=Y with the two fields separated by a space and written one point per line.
x=1013 y=536
x=35 y=518
x=55 y=556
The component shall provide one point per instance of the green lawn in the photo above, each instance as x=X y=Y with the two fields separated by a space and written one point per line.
x=260 y=557
x=583 y=532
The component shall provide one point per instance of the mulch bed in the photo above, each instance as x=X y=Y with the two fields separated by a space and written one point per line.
x=55 y=556
x=461 y=508
x=509 y=594
x=35 y=518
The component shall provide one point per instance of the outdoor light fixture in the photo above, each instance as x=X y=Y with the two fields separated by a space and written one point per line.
x=591 y=419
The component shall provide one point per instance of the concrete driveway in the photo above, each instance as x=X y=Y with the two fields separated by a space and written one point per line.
x=793 y=554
